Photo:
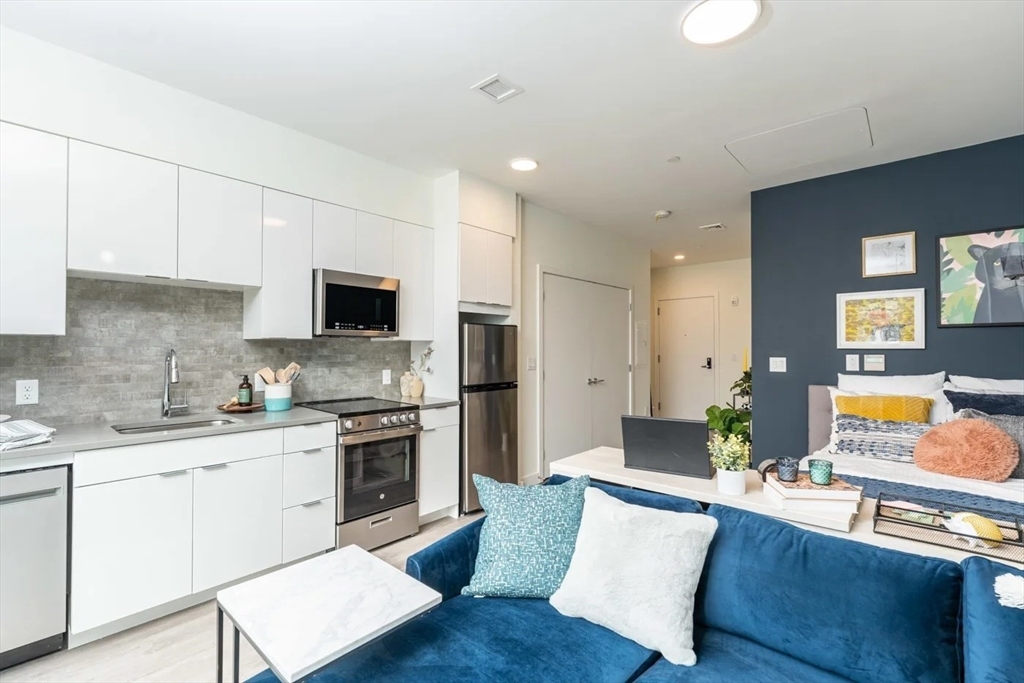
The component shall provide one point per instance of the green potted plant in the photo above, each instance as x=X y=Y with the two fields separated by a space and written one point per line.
x=731 y=457
x=727 y=421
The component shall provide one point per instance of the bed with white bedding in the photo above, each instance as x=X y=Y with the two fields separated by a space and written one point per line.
x=904 y=478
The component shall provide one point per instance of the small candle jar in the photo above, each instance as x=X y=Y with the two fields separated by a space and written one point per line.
x=820 y=471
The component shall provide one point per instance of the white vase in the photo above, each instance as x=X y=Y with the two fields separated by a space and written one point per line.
x=405 y=382
x=732 y=483
x=416 y=387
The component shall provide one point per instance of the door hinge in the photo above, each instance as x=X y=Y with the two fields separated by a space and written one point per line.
x=631 y=308
x=659 y=357
x=659 y=405
x=659 y=310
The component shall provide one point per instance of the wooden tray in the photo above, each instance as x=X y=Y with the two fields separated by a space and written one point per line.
x=255 y=407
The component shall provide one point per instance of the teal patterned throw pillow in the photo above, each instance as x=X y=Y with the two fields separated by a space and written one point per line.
x=527 y=539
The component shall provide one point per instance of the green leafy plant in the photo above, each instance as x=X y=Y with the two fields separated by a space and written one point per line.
x=742 y=386
x=729 y=453
x=729 y=422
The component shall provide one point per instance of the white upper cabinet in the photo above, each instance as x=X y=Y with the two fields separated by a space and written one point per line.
x=472 y=264
x=334 y=237
x=486 y=205
x=220 y=229
x=282 y=307
x=414 y=267
x=499 y=269
x=375 y=245
x=33 y=231
x=122 y=212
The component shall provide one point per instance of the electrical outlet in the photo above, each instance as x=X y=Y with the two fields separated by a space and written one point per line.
x=386 y=377
x=259 y=385
x=853 y=362
x=26 y=392
x=776 y=365
x=531 y=363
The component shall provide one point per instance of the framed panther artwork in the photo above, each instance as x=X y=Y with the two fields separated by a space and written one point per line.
x=981 y=278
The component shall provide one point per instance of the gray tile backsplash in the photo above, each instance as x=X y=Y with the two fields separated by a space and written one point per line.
x=110 y=365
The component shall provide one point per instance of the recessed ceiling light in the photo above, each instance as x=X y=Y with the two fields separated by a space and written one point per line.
x=523 y=164
x=678 y=257
x=710 y=22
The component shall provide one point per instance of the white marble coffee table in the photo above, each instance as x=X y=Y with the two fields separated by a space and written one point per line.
x=303 y=617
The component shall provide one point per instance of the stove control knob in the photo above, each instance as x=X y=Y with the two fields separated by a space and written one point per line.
x=402 y=417
x=348 y=424
x=385 y=420
x=412 y=417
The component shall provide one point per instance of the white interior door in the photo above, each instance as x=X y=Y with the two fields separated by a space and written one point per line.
x=609 y=362
x=686 y=357
x=586 y=379
x=567 y=367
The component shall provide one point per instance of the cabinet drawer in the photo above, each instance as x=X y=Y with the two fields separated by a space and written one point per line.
x=126 y=462
x=432 y=418
x=305 y=437
x=309 y=475
x=308 y=529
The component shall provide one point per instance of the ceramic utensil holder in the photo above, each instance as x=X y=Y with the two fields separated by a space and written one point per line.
x=277 y=397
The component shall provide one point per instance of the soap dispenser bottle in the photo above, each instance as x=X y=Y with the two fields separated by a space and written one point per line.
x=245 y=392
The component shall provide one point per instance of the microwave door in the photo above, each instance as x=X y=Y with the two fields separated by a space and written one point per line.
x=349 y=304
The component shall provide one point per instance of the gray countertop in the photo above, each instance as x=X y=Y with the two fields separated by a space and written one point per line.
x=85 y=437
x=91 y=436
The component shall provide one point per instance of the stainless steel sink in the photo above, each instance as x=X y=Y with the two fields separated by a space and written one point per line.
x=181 y=424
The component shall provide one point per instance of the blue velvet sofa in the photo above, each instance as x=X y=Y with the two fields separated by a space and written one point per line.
x=775 y=604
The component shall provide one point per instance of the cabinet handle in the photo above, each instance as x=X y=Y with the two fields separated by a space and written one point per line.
x=31 y=495
x=173 y=474
x=312 y=450
x=382 y=520
x=309 y=505
x=215 y=467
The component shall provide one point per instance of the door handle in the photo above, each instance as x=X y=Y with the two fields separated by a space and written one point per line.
x=707 y=365
x=32 y=495
x=598 y=381
x=590 y=381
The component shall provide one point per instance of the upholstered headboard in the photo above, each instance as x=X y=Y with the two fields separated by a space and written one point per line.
x=819 y=417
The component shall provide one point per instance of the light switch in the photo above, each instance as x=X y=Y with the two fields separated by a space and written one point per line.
x=776 y=365
x=531 y=363
x=853 y=362
x=874 y=362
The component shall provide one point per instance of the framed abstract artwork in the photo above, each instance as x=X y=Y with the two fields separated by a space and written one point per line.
x=888 y=319
x=981 y=278
x=894 y=254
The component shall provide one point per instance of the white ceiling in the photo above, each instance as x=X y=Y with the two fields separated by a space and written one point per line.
x=612 y=90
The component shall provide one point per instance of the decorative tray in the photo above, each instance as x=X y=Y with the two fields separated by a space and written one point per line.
x=943 y=524
x=228 y=408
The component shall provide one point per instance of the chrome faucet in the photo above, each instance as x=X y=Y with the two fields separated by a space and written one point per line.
x=171 y=376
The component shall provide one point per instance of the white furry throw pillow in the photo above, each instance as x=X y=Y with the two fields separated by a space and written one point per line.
x=635 y=571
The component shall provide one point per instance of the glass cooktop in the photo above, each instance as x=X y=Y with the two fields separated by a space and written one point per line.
x=350 y=407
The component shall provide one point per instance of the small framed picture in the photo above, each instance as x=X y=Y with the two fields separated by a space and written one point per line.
x=890 y=319
x=894 y=254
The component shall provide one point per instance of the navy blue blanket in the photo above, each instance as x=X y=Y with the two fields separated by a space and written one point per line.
x=872 y=487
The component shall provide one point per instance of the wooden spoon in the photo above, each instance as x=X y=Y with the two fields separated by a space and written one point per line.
x=267 y=375
x=281 y=376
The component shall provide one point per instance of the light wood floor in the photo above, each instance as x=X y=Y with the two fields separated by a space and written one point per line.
x=182 y=647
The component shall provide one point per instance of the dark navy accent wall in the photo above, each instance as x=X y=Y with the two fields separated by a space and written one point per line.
x=806 y=248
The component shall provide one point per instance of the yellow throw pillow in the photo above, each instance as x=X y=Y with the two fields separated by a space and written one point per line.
x=889 y=408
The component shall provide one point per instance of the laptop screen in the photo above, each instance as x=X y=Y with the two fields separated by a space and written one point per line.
x=662 y=444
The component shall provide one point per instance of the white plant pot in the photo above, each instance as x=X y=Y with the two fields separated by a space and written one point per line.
x=732 y=483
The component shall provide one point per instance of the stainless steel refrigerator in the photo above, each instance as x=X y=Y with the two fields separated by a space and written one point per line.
x=490 y=407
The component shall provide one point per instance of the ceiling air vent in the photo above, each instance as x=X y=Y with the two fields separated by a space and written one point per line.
x=497 y=89
x=713 y=227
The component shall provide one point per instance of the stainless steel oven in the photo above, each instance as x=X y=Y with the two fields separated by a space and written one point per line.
x=378 y=463
x=353 y=305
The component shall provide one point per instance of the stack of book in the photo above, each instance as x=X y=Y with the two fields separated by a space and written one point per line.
x=802 y=495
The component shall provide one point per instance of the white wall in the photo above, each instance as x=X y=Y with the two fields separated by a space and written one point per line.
x=568 y=247
x=726 y=279
x=62 y=92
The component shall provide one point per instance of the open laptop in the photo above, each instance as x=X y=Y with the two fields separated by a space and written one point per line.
x=660 y=444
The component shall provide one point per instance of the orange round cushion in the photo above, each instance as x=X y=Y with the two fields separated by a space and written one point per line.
x=975 y=449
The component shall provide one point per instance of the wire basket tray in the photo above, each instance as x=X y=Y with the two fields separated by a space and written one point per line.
x=919 y=519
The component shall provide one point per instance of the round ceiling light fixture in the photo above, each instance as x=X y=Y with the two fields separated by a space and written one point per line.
x=678 y=257
x=523 y=164
x=711 y=22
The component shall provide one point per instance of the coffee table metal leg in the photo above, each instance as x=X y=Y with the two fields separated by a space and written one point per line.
x=220 y=645
x=235 y=665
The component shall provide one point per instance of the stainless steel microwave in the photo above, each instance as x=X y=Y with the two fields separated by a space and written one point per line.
x=353 y=305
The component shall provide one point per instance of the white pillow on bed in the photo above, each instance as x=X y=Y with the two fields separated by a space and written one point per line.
x=894 y=385
x=984 y=385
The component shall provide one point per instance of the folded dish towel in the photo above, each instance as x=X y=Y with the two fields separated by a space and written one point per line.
x=22 y=433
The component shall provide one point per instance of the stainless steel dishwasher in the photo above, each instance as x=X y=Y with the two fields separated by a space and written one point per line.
x=33 y=563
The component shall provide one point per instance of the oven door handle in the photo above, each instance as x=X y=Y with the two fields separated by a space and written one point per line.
x=379 y=435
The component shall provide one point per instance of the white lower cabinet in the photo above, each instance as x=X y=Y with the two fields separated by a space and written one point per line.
x=439 y=469
x=309 y=529
x=236 y=525
x=131 y=547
